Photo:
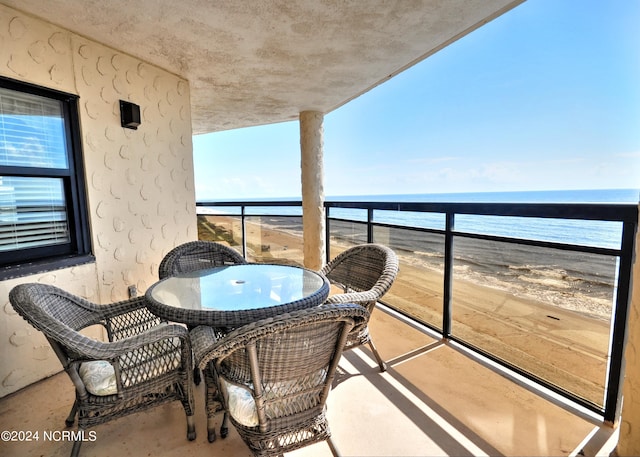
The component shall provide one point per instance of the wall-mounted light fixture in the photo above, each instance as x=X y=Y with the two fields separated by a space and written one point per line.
x=129 y=115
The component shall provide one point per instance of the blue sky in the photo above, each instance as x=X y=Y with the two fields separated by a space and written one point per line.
x=545 y=97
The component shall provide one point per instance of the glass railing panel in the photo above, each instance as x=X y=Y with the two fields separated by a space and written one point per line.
x=604 y=234
x=233 y=210
x=345 y=234
x=434 y=221
x=523 y=292
x=274 y=239
x=274 y=210
x=222 y=229
x=418 y=288
x=545 y=310
x=353 y=214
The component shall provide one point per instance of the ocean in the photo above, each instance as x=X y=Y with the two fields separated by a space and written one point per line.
x=587 y=233
x=582 y=282
x=542 y=196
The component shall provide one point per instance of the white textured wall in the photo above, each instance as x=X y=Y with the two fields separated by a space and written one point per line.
x=139 y=183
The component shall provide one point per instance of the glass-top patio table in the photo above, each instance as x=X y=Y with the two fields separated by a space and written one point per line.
x=231 y=296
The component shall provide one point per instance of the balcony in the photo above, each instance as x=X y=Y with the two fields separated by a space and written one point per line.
x=436 y=399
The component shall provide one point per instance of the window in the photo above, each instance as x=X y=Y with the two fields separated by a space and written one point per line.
x=42 y=200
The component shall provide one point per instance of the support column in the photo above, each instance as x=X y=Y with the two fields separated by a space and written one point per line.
x=313 y=221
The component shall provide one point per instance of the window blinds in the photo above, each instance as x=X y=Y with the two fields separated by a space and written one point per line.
x=32 y=131
x=32 y=208
x=32 y=213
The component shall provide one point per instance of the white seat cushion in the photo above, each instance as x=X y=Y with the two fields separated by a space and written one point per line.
x=242 y=406
x=99 y=377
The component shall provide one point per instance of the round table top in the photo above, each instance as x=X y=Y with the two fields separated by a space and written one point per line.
x=235 y=295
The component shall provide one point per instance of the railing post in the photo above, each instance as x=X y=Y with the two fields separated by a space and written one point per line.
x=370 y=225
x=327 y=235
x=243 y=227
x=615 y=373
x=448 y=275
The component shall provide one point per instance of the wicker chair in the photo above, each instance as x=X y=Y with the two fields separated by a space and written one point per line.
x=197 y=255
x=364 y=273
x=194 y=256
x=145 y=362
x=275 y=374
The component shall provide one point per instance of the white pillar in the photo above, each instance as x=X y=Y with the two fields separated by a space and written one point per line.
x=313 y=222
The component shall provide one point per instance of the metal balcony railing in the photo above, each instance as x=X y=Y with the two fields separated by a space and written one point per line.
x=543 y=289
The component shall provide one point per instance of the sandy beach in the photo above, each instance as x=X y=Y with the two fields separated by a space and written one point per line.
x=564 y=345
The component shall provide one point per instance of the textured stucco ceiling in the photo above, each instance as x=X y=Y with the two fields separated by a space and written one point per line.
x=260 y=62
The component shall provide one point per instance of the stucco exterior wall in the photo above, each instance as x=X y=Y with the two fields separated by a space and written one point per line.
x=629 y=441
x=140 y=185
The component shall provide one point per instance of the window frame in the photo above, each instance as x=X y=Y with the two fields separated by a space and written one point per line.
x=77 y=251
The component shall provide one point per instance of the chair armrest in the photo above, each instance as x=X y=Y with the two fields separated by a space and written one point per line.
x=122 y=307
x=354 y=297
x=91 y=349
x=121 y=319
x=104 y=311
x=84 y=349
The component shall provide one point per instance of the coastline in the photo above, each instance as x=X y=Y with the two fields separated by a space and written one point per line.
x=520 y=323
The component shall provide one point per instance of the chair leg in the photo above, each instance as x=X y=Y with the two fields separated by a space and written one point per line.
x=211 y=429
x=381 y=363
x=191 y=428
x=332 y=446
x=224 y=428
x=72 y=414
x=75 y=451
x=214 y=403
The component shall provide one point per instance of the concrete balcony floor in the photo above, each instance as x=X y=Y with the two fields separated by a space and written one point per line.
x=435 y=400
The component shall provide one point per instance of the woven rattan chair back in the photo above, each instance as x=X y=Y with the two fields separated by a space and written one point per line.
x=363 y=274
x=151 y=363
x=198 y=255
x=287 y=364
x=195 y=256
